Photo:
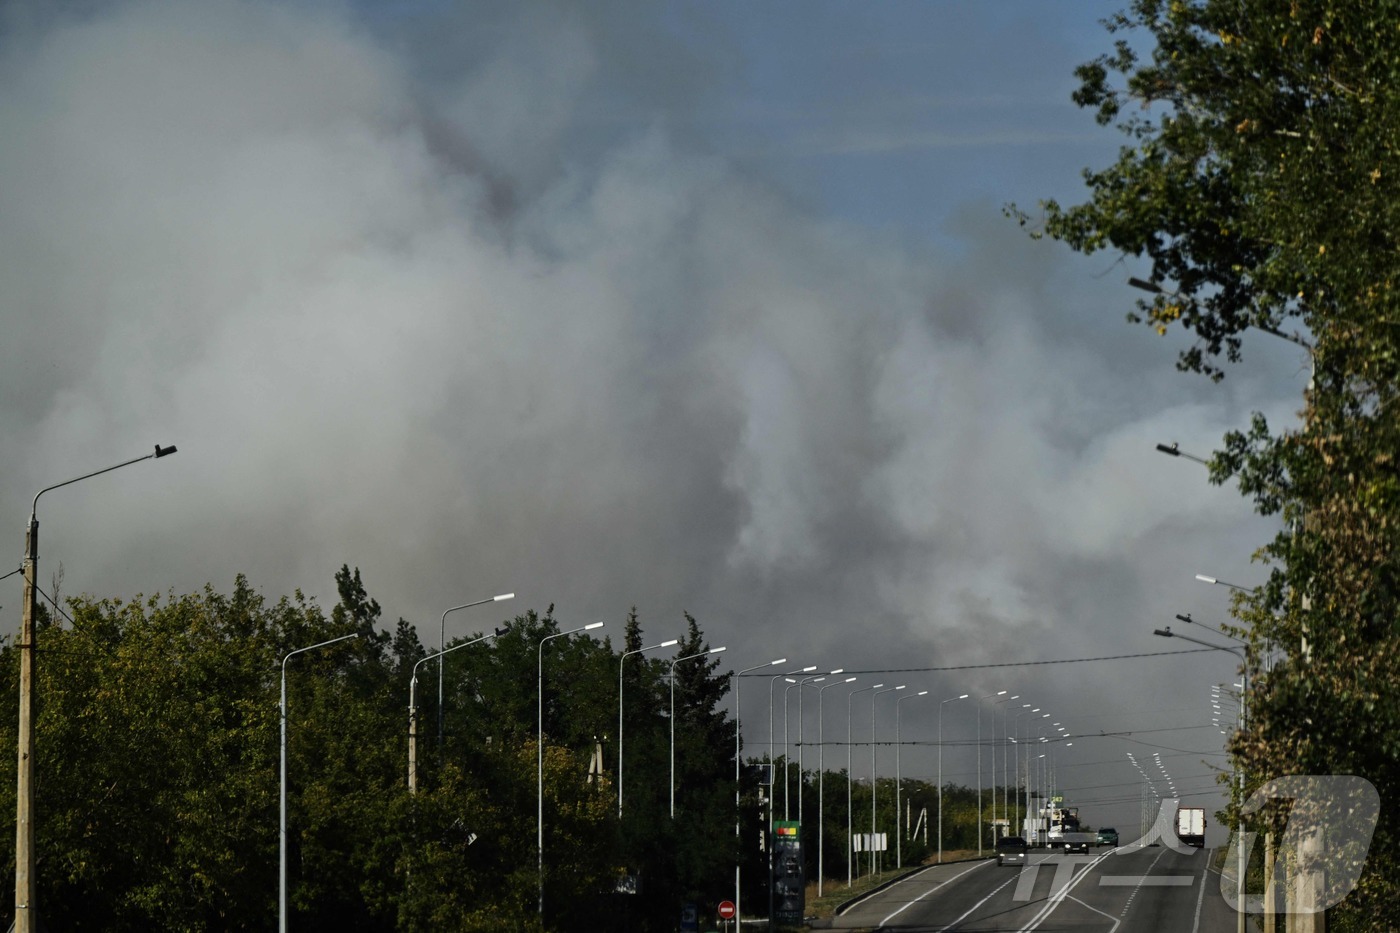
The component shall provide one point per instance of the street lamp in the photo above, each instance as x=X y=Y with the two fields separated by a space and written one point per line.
x=979 y=765
x=442 y=643
x=1016 y=729
x=1005 y=753
x=739 y=858
x=621 y=662
x=786 y=756
x=26 y=915
x=1209 y=628
x=1234 y=586
x=282 y=824
x=772 y=767
x=874 y=776
x=1172 y=450
x=802 y=737
x=1243 y=655
x=539 y=749
x=821 y=782
x=850 y=840
x=995 y=743
x=898 y=813
x=940 y=770
x=413 y=707
x=689 y=657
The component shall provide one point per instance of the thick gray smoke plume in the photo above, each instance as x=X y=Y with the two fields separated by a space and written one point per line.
x=465 y=301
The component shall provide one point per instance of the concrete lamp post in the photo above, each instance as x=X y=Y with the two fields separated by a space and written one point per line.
x=539 y=749
x=26 y=912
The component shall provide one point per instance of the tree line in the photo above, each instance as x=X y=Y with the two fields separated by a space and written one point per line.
x=158 y=753
x=1258 y=186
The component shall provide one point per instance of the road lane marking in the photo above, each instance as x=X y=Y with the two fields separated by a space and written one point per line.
x=1102 y=914
x=928 y=892
x=1200 y=898
x=1057 y=898
x=980 y=903
x=1135 y=881
x=1144 y=877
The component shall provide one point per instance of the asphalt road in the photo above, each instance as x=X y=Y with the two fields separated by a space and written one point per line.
x=1110 y=891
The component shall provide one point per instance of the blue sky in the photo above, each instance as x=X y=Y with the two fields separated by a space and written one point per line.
x=689 y=306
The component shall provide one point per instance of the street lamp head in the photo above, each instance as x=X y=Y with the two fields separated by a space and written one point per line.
x=718 y=650
x=164 y=451
x=850 y=680
x=496 y=599
x=777 y=662
x=1173 y=450
x=964 y=696
x=1185 y=618
x=921 y=693
x=808 y=669
x=1164 y=632
x=592 y=625
x=1001 y=692
x=1205 y=579
x=667 y=644
x=839 y=670
x=1145 y=285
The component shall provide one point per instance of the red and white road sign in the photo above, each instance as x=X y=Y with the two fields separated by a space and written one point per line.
x=726 y=910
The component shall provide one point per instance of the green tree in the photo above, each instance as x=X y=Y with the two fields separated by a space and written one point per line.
x=1260 y=182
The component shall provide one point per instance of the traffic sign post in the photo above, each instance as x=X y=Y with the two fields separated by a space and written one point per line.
x=727 y=912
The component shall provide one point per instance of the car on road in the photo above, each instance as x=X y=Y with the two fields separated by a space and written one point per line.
x=1012 y=850
x=1078 y=842
x=1108 y=836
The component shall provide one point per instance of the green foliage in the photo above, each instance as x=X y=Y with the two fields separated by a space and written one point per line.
x=158 y=759
x=1260 y=180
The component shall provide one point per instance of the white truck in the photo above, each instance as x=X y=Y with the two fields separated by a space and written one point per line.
x=1063 y=821
x=1191 y=826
